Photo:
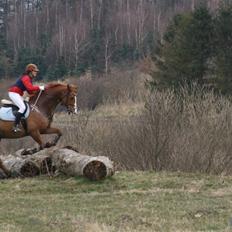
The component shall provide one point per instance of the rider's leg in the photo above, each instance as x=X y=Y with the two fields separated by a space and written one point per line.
x=18 y=117
x=18 y=101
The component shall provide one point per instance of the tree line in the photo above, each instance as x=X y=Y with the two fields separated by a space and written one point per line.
x=196 y=47
x=68 y=37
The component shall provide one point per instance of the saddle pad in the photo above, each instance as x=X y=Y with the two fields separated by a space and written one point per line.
x=5 y=101
x=6 y=113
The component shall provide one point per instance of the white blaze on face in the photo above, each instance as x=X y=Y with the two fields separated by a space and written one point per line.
x=75 y=106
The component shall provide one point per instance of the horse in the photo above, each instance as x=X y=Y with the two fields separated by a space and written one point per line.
x=42 y=108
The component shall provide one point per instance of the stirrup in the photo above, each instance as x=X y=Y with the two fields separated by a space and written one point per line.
x=16 y=129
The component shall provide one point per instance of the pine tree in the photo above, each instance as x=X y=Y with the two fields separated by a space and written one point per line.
x=186 y=50
x=223 y=49
x=58 y=71
x=199 y=43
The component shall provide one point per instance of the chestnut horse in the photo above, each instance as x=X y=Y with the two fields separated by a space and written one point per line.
x=43 y=105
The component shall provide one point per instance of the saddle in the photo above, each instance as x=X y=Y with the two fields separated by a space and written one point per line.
x=8 y=110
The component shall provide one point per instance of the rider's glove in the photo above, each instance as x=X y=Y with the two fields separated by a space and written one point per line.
x=41 y=87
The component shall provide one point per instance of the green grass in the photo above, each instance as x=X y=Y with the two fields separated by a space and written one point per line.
x=129 y=201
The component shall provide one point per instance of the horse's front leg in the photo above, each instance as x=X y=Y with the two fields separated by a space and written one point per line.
x=52 y=130
x=37 y=137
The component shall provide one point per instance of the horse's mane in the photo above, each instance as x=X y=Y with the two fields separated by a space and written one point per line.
x=50 y=85
x=55 y=84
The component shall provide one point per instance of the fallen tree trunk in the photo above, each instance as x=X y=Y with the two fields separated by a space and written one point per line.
x=65 y=160
x=20 y=167
x=75 y=164
x=43 y=160
x=4 y=172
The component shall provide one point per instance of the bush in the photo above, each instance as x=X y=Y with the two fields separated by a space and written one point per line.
x=187 y=132
x=114 y=88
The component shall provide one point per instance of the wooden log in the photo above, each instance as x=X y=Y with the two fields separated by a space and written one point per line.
x=25 y=152
x=75 y=164
x=43 y=160
x=20 y=167
x=4 y=172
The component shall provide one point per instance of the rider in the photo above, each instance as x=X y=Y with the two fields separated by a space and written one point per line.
x=15 y=92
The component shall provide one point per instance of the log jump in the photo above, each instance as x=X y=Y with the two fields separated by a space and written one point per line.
x=64 y=160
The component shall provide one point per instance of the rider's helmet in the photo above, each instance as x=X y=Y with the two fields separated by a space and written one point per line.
x=31 y=67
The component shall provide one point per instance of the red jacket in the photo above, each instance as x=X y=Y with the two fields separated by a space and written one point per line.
x=24 y=83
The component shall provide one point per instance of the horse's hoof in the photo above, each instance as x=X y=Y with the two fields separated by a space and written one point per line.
x=48 y=144
x=29 y=151
x=33 y=151
x=25 y=152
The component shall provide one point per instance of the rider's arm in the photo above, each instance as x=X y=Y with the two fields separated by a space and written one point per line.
x=28 y=84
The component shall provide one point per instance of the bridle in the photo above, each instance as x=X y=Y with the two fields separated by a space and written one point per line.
x=66 y=103
x=69 y=106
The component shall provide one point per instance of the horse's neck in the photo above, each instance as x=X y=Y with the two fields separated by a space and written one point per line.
x=47 y=104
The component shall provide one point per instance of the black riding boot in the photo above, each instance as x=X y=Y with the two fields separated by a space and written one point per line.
x=18 y=117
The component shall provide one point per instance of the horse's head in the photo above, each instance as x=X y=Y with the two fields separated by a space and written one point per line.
x=54 y=94
x=69 y=99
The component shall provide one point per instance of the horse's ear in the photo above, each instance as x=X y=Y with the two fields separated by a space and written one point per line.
x=68 y=87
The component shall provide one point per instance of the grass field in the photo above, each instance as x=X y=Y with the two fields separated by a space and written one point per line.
x=129 y=201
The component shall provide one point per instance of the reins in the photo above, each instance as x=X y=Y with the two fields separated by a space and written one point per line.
x=33 y=107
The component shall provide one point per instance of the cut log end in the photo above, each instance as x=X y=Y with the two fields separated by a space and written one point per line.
x=95 y=170
x=29 y=169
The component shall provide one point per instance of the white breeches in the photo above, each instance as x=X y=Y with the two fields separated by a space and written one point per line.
x=18 y=101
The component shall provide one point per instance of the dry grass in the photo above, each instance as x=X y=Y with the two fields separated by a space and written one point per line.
x=126 y=202
x=115 y=88
x=191 y=133
x=186 y=132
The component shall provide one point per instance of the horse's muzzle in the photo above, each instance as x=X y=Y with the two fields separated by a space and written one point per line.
x=72 y=111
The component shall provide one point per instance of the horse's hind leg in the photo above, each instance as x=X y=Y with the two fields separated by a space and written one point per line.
x=53 y=130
